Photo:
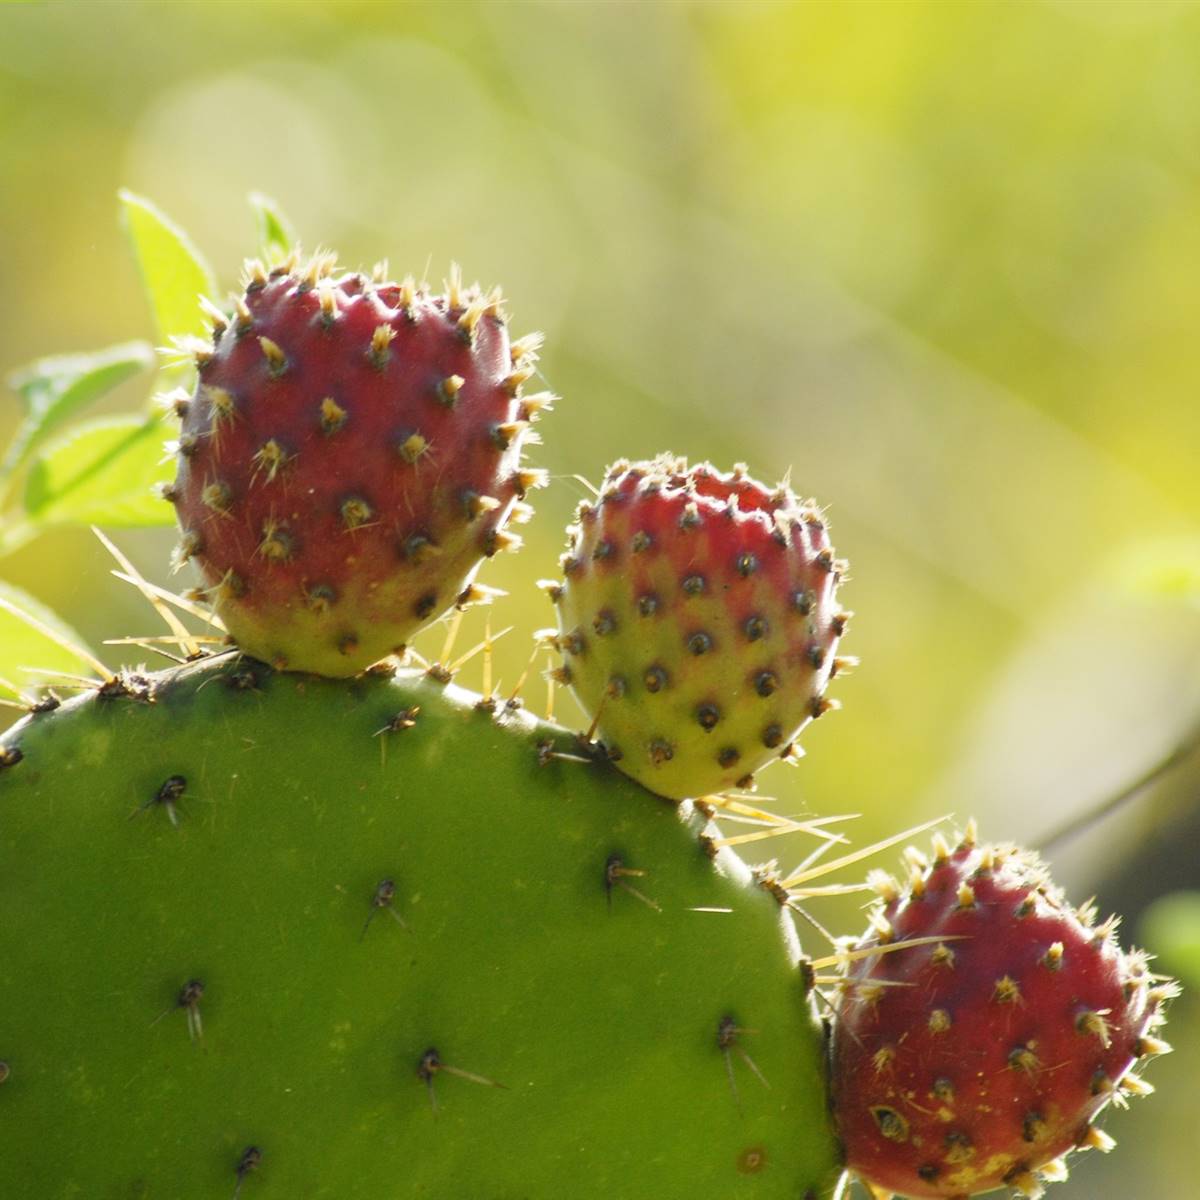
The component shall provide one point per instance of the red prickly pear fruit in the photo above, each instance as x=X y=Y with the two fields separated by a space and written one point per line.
x=978 y=1056
x=697 y=622
x=350 y=455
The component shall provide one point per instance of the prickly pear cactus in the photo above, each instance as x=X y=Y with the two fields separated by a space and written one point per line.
x=368 y=936
x=269 y=935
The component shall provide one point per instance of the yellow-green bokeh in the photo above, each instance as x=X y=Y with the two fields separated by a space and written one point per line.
x=940 y=260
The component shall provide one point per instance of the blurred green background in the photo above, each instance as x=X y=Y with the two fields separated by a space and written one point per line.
x=940 y=259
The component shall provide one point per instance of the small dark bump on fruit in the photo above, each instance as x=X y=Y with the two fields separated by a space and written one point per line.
x=816 y=656
x=448 y=389
x=928 y=1172
x=412 y=447
x=574 y=642
x=755 y=628
x=1052 y=960
x=959 y=1147
x=891 y=1124
x=506 y=432
x=747 y=564
x=694 y=585
x=277 y=544
x=347 y=643
x=1022 y=1058
x=355 y=512
x=380 y=350
x=728 y=755
x=320 y=597
x=640 y=541
x=605 y=622
x=661 y=751
x=655 y=679
x=617 y=686
x=426 y=604
x=276 y=360
x=1034 y=1127
x=699 y=643
x=803 y=602
x=647 y=604
x=839 y=622
x=772 y=736
x=943 y=1089
x=765 y=683
x=708 y=715
x=417 y=548
x=476 y=506
x=10 y=755
x=217 y=496
x=604 y=549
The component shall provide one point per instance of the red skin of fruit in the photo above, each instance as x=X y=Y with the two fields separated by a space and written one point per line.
x=698 y=620
x=985 y=1064
x=328 y=489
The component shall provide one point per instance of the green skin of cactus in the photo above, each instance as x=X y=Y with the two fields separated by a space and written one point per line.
x=595 y=1013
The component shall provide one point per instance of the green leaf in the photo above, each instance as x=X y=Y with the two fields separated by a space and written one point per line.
x=1171 y=929
x=23 y=646
x=173 y=271
x=55 y=389
x=102 y=473
x=275 y=232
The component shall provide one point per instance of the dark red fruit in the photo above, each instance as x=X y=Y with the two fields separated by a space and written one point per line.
x=351 y=453
x=698 y=622
x=978 y=1057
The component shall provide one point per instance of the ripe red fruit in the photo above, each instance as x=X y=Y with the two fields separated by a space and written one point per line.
x=351 y=453
x=978 y=1056
x=697 y=621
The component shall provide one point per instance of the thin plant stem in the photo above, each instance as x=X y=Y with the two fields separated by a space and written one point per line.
x=1075 y=826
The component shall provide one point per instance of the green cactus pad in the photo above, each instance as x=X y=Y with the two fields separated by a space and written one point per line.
x=227 y=826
